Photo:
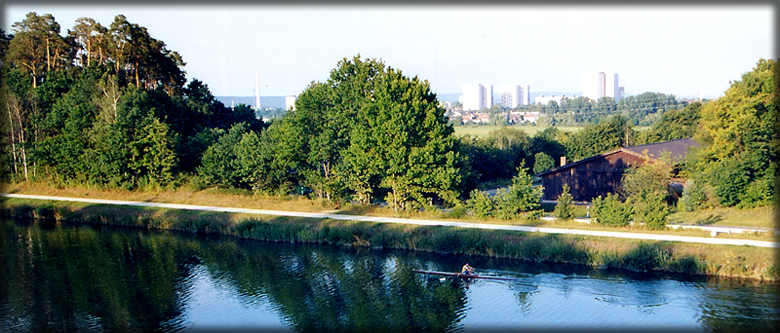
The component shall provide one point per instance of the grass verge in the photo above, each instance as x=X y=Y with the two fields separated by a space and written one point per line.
x=635 y=255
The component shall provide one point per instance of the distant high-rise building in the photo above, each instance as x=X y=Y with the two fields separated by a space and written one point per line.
x=510 y=95
x=477 y=97
x=527 y=95
x=600 y=84
x=289 y=102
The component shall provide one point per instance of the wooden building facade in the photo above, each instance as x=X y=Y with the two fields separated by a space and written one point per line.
x=601 y=174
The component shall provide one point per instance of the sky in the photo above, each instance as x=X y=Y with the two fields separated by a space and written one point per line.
x=688 y=51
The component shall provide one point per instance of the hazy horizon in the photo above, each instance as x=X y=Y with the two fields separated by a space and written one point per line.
x=685 y=51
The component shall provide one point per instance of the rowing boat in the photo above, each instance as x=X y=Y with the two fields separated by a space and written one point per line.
x=465 y=276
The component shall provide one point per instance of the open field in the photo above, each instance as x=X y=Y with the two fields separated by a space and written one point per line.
x=484 y=130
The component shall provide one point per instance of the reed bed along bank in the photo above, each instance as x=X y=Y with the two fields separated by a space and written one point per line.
x=608 y=253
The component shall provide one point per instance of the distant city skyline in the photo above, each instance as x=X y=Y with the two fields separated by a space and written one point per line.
x=684 y=50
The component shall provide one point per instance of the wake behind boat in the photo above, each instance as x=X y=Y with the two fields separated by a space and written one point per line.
x=465 y=276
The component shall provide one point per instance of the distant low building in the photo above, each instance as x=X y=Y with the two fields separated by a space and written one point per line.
x=601 y=174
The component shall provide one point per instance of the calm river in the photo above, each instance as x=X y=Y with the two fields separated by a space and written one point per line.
x=85 y=278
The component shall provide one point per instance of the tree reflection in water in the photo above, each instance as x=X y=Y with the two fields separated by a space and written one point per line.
x=83 y=278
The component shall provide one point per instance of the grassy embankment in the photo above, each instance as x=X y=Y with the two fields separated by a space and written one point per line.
x=704 y=259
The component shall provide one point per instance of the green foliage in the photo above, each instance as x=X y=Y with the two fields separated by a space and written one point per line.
x=673 y=125
x=644 y=258
x=524 y=195
x=651 y=210
x=593 y=140
x=611 y=211
x=738 y=132
x=521 y=197
x=368 y=133
x=153 y=154
x=543 y=162
x=647 y=189
x=230 y=161
x=563 y=209
x=480 y=204
x=642 y=110
x=694 y=197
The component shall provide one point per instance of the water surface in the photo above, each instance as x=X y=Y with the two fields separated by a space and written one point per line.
x=87 y=278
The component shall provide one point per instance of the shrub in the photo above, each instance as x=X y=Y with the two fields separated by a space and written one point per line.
x=564 y=210
x=651 y=210
x=543 y=162
x=693 y=197
x=611 y=211
x=480 y=204
x=757 y=193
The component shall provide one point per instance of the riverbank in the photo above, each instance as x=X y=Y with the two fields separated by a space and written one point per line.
x=631 y=254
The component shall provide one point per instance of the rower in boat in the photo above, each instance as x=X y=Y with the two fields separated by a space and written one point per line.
x=467 y=270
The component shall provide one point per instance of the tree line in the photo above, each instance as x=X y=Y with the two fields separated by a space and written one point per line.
x=104 y=106
x=644 y=109
x=110 y=107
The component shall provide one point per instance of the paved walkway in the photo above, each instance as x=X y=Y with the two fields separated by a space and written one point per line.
x=657 y=237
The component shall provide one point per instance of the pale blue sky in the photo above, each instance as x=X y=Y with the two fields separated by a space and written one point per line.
x=680 y=50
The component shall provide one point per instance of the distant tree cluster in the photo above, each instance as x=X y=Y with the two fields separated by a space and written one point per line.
x=640 y=110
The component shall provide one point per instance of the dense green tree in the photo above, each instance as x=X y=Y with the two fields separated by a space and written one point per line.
x=739 y=151
x=611 y=211
x=4 y=41
x=646 y=188
x=220 y=165
x=142 y=59
x=153 y=153
x=596 y=139
x=642 y=108
x=480 y=204
x=674 y=124
x=563 y=208
x=370 y=133
x=543 y=162
x=548 y=141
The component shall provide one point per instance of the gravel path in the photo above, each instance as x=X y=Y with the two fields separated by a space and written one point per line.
x=657 y=237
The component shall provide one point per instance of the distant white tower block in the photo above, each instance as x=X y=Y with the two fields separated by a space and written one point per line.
x=472 y=96
x=600 y=84
x=487 y=97
x=611 y=87
x=510 y=95
x=593 y=85
x=289 y=102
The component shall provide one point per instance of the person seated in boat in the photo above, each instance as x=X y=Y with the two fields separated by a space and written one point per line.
x=467 y=270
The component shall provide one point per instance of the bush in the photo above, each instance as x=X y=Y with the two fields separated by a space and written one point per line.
x=651 y=210
x=543 y=162
x=693 y=197
x=564 y=210
x=757 y=193
x=480 y=204
x=611 y=211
